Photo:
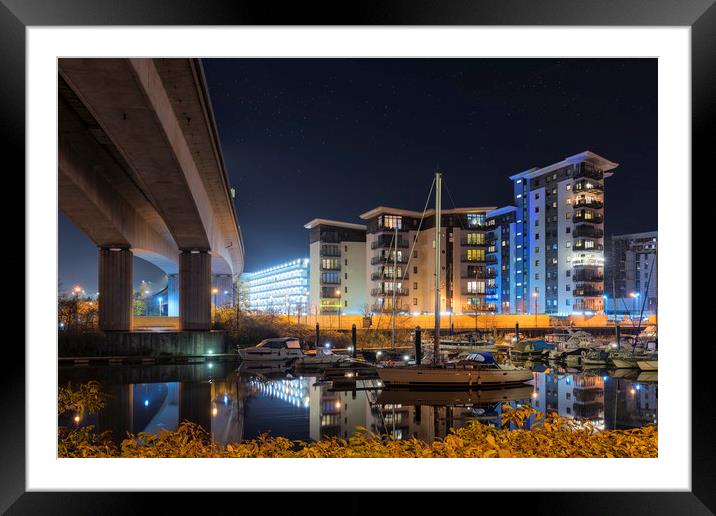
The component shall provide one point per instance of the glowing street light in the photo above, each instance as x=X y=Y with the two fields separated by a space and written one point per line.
x=338 y=293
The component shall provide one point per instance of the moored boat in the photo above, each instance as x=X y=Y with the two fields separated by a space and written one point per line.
x=648 y=365
x=472 y=372
x=281 y=349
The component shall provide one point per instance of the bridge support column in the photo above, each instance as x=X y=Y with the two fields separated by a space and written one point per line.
x=195 y=290
x=115 y=289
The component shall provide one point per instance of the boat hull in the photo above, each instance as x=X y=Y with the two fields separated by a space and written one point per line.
x=258 y=355
x=648 y=365
x=621 y=363
x=429 y=376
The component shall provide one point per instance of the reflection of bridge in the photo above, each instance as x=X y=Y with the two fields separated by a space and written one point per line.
x=141 y=173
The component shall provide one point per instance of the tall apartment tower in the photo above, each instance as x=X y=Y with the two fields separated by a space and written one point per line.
x=631 y=270
x=558 y=264
x=337 y=252
x=501 y=250
x=401 y=260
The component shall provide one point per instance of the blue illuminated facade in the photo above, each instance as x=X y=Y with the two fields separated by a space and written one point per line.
x=280 y=289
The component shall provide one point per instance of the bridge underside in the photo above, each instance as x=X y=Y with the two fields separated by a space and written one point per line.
x=140 y=172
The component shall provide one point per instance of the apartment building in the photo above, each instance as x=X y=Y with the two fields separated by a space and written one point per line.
x=337 y=252
x=400 y=259
x=558 y=265
x=631 y=272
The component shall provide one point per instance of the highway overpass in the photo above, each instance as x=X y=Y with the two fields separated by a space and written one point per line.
x=141 y=174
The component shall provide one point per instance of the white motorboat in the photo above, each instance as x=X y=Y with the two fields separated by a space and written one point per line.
x=281 y=349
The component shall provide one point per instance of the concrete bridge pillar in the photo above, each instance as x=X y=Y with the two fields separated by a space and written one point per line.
x=115 y=289
x=195 y=290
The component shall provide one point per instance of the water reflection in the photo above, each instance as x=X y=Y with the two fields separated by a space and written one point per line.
x=241 y=405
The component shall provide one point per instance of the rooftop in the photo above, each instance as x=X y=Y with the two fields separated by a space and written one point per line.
x=328 y=222
x=381 y=210
x=598 y=160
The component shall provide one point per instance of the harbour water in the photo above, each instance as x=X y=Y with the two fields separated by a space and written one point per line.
x=236 y=405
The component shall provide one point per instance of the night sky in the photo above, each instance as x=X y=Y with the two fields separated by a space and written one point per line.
x=333 y=138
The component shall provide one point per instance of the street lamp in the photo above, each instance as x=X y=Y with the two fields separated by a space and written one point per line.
x=534 y=296
x=606 y=306
x=635 y=297
x=214 y=291
x=338 y=293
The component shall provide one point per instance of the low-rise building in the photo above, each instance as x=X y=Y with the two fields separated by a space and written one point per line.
x=631 y=273
x=337 y=252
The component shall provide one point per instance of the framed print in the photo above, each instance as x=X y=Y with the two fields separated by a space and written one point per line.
x=420 y=247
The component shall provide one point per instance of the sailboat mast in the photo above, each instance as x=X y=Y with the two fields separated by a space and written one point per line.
x=395 y=284
x=438 y=196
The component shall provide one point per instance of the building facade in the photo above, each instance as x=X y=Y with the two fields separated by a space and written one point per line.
x=501 y=242
x=400 y=258
x=281 y=289
x=631 y=273
x=558 y=265
x=337 y=252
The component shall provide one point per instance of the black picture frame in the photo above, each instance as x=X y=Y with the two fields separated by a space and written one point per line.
x=700 y=15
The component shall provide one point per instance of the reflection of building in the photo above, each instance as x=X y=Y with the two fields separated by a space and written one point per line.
x=629 y=403
x=631 y=273
x=337 y=279
x=338 y=413
x=280 y=289
x=401 y=260
x=571 y=395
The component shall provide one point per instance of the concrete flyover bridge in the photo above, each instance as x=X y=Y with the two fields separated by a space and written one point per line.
x=141 y=173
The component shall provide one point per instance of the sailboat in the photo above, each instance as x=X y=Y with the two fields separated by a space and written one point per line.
x=476 y=370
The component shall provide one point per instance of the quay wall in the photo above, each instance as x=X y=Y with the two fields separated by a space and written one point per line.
x=461 y=322
x=143 y=344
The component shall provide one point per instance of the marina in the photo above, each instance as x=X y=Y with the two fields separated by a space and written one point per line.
x=235 y=402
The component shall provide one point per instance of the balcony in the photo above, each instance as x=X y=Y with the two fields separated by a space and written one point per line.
x=379 y=260
x=388 y=292
x=581 y=245
x=465 y=242
x=587 y=231
x=331 y=267
x=378 y=276
x=587 y=171
x=465 y=259
x=465 y=292
x=588 y=203
x=588 y=186
x=331 y=253
x=330 y=281
x=388 y=243
x=593 y=219
x=491 y=259
x=474 y=275
x=587 y=276
x=587 y=292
